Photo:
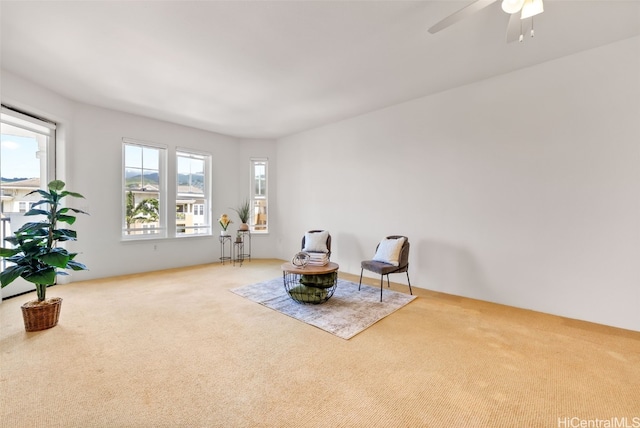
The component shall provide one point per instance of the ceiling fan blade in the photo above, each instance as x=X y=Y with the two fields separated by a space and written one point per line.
x=513 y=28
x=460 y=15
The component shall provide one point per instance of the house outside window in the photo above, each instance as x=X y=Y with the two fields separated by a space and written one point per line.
x=259 y=196
x=192 y=193
x=144 y=192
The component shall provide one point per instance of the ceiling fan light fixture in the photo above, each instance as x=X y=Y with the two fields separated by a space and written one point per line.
x=512 y=6
x=531 y=8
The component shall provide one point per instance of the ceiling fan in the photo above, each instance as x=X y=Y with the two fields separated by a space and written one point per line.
x=520 y=21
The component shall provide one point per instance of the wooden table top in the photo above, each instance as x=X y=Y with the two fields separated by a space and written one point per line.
x=310 y=269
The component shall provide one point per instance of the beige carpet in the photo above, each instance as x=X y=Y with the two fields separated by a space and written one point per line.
x=177 y=349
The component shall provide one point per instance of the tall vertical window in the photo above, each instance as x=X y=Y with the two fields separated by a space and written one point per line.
x=259 y=201
x=144 y=192
x=26 y=164
x=192 y=193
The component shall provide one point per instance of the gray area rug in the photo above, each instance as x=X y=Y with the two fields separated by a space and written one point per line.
x=346 y=314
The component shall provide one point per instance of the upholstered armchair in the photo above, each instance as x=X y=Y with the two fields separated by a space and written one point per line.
x=317 y=241
x=392 y=256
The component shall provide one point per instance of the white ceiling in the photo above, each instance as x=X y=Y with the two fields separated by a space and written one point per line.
x=266 y=69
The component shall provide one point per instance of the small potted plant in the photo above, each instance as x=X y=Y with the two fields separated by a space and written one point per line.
x=243 y=211
x=36 y=256
x=224 y=221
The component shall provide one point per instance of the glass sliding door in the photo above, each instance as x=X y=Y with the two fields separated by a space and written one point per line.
x=26 y=164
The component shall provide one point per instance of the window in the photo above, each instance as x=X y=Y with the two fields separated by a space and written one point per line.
x=259 y=201
x=24 y=206
x=144 y=192
x=192 y=193
x=26 y=164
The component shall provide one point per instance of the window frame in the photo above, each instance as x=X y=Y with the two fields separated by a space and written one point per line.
x=207 y=202
x=20 y=119
x=255 y=198
x=161 y=231
x=46 y=138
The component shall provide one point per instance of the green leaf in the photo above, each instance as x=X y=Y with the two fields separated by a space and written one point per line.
x=76 y=265
x=19 y=259
x=75 y=210
x=40 y=202
x=67 y=233
x=56 y=185
x=12 y=240
x=58 y=257
x=8 y=252
x=42 y=276
x=38 y=233
x=36 y=212
x=29 y=245
x=70 y=219
x=73 y=194
x=32 y=226
x=48 y=197
x=8 y=275
x=36 y=191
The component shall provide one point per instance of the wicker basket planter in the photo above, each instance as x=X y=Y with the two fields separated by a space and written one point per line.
x=41 y=315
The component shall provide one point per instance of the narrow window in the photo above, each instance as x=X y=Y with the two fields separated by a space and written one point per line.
x=27 y=164
x=192 y=193
x=259 y=195
x=144 y=194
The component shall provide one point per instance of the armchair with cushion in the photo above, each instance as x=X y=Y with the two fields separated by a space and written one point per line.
x=392 y=256
x=317 y=241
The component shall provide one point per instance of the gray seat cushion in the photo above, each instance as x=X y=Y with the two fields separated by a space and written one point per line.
x=378 y=267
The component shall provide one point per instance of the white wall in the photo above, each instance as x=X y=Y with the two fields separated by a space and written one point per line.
x=90 y=161
x=522 y=189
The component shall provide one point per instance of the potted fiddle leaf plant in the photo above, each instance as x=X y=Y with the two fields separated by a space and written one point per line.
x=36 y=256
x=243 y=211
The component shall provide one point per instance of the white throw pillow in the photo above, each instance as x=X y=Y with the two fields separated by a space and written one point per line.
x=316 y=241
x=389 y=251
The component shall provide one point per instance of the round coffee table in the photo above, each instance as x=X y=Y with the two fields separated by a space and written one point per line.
x=310 y=284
